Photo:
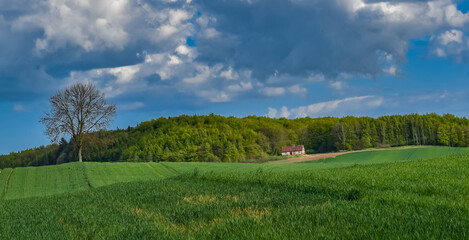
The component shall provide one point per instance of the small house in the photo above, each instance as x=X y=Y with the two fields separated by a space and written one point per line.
x=293 y=150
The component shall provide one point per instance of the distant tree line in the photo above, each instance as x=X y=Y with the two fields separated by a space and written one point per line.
x=228 y=139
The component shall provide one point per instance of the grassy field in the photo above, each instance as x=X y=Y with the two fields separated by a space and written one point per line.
x=404 y=195
x=51 y=180
x=388 y=156
x=4 y=178
x=102 y=174
x=43 y=181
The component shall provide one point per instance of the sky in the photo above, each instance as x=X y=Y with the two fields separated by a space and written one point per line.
x=275 y=58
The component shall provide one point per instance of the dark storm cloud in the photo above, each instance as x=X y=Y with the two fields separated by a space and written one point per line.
x=243 y=48
x=299 y=37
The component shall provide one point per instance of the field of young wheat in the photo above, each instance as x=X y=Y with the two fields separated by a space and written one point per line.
x=416 y=197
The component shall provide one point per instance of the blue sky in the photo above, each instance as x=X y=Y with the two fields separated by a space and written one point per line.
x=277 y=58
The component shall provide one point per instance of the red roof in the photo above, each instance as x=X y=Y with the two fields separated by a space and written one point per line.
x=293 y=148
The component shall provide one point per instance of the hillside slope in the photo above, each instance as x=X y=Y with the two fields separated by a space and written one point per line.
x=423 y=199
x=390 y=155
x=251 y=139
x=72 y=177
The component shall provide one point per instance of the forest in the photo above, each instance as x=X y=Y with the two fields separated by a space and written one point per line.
x=216 y=138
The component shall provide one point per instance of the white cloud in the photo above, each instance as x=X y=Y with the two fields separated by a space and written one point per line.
x=232 y=58
x=336 y=107
x=375 y=102
x=357 y=35
x=296 y=89
x=174 y=60
x=450 y=36
x=273 y=91
x=440 y=52
x=451 y=43
x=124 y=74
x=391 y=70
x=229 y=74
x=214 y=95
x=131 y=106
x=203 y=20
x=182 y=49
x=284 y=113
x=209 y=33
x=337 y=85
x=202 y=75
x=177 y=17
x=157 y=58
x=18 y=108
x=316 y=78
x=167 y=73
x=105 y=24
x=242 y=86
x=89 y=24
x=272 y=112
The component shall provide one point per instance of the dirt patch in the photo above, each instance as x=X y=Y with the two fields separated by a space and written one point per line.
x=200 y=199
x=309 y=158
x=251 y=212
x=320 y=156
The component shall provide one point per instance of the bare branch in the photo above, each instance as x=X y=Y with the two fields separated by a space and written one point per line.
x=77 y=111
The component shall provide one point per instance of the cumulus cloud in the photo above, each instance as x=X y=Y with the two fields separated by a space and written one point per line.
x=163 y=73
x=356 y=36
x=105 y=24
x=296 y=89
x=330 y=108
x=238 y=49
x=124 y=74
x=88 y=24
x=230 y=74
x=273 y=91
x=451 y=43
x=337 y=85
x=272 y=112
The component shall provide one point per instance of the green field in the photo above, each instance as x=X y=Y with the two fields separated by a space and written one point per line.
x=389 y=156
x=405 y=193
x=43 y=181
x=4 y=178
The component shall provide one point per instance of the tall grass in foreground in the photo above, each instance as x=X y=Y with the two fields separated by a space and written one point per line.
x=419 y=199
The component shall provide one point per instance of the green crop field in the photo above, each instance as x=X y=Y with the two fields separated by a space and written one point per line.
x=406 y=193
x=102 y=174
x=43 y=181
x=389 y=156
x=4 y=178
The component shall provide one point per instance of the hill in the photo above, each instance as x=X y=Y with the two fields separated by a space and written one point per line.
x=25 y=182
x=252 y=139
x=405 y=199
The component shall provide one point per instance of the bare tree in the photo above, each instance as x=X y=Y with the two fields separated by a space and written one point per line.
x=77 y=111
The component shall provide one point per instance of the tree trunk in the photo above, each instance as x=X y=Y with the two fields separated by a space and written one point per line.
x=79 y=154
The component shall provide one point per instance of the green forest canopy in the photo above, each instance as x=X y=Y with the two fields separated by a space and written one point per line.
x=216 y=138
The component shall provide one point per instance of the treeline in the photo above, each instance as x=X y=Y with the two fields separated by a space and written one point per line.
x=40 y=156
x=228 y=139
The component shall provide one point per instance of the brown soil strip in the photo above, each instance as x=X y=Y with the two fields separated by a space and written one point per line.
x=309 y=158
